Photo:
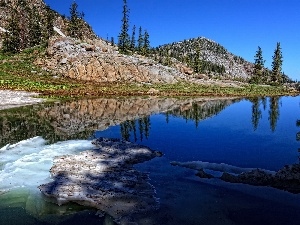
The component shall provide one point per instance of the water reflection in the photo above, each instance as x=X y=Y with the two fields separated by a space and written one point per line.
x=79 y=119
x=195 y=110
x=274 y=112
x=131 y=126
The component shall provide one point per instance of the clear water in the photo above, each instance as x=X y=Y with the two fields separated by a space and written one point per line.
x=255 y=133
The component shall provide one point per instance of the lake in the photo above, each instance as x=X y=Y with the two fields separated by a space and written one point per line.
x=241 y=133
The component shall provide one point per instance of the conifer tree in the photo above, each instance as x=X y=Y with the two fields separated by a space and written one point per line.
x=132 y=43
x=112 y=41
x=146 y=45
x=258 y=74
x=75 y=23
x=35 y=32
x=11 y=42
x=49 y=22
x=197 y=62
x=124 y=39
x=140 y=41
x=276 y=76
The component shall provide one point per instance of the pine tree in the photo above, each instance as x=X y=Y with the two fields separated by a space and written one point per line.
x=197 y=62
x=132 y=43
x=75 y=23
x=146 y=45
x=23 y=11
x=35 y=32
x=49 y=22
x=140 y=41
x=124 y=39
x=12 y=41
x=276 y=76
x=258 y=74
x=112 y=41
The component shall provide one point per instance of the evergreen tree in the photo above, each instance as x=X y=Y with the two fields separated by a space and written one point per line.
x=276 y=76
x=11 y=42
x=197 y=62
x=75 y=23
x=132 y=43
x=146 y=45
x=23 y=11
x=112 y=41
x=35 y=32
x=140 y=41
x=49 y=22
x=124 y=39
x=258 y=75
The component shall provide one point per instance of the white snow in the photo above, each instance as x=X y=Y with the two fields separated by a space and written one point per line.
x=56 y=29
x=2 y=29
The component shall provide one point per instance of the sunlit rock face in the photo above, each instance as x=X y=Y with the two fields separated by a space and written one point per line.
x=95 y=60
x=105 y=179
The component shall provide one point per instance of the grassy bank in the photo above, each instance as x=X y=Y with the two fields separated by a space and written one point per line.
x=18 y=72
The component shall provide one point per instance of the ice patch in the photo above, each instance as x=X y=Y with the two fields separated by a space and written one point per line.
x=27 y=163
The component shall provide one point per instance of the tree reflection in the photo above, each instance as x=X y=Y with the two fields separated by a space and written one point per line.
x=130 y=127
x=256 y=112
x=273 y=112
x=198 y=111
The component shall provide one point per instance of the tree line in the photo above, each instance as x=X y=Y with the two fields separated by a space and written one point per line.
x=261 y=75
x=129 y=44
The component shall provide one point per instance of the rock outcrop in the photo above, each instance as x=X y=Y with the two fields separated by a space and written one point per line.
x=105 y=179
x=95 y=60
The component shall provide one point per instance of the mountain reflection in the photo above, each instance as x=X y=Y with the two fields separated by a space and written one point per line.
x=273 y=112
x=194 y=109
x=79 y=119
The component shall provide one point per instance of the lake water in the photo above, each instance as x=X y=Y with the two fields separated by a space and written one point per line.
x=245 y=133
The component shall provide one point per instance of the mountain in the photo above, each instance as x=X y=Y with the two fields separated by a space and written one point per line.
x=205 y=56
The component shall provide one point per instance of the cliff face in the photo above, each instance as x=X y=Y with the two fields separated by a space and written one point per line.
x=95 y=60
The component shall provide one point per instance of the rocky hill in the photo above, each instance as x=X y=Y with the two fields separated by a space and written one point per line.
x=92 y=59
x=23 y=11
x=205 y=57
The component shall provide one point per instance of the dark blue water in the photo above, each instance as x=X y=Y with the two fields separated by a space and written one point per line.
x=231 y=137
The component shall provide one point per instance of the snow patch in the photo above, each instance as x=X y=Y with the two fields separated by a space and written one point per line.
x=57 y=30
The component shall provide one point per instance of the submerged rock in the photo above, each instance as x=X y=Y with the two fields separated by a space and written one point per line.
x=287 y=178
x=104 y=178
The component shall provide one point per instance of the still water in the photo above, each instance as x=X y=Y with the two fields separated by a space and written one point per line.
x=245 y=133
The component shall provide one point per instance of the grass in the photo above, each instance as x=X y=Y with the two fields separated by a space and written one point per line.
x=18 y=72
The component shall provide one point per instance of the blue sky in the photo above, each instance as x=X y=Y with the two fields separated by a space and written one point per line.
x=239 y=25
